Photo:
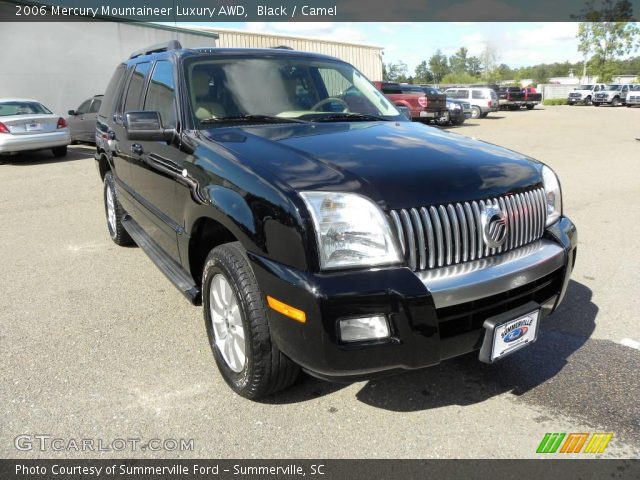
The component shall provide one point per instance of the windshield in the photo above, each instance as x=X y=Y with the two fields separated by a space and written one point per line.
x=585 y=87
x=22 y=108
x=614 y=87
x=290 y=88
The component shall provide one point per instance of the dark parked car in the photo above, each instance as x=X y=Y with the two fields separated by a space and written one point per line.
x=425 y=103
x=282 y=190
x=82 y=121
x=511 y=97
x=457 y=112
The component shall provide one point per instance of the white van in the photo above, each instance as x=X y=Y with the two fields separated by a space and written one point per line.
x=482 y=100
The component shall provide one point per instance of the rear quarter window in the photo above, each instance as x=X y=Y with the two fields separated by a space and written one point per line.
x=136 y=85
x=112 y=92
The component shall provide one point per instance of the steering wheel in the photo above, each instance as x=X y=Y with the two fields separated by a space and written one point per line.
x=330 y=100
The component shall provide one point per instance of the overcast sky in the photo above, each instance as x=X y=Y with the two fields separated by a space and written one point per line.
x=517 y=44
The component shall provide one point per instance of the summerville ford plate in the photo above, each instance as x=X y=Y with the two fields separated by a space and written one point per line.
x=509 y=332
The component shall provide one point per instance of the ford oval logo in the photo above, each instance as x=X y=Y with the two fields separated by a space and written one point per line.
x=515 y=334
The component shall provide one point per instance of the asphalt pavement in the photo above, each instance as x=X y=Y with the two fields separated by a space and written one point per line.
x=97 y=344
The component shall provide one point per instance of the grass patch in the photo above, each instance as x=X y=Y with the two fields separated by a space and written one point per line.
x=555 y=101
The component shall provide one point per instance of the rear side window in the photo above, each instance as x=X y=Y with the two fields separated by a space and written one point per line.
x=84 y=107
x=136 y=84
x=162 y=93
x=95 y=106
x=113 y=91
x=477 y=94
x=391 y=89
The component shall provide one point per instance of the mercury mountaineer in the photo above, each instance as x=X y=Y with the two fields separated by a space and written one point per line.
x=320 y=230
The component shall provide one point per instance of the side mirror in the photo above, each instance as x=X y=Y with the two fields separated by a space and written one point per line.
x=146 y=126
x=71 y=112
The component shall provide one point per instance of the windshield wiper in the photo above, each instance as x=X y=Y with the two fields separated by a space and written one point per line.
x=251 y=119
x=347 y=116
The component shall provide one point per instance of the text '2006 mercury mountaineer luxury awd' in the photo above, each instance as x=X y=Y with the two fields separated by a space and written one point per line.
x=319 y=229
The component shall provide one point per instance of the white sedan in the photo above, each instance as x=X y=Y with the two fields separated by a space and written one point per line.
x=27 y=125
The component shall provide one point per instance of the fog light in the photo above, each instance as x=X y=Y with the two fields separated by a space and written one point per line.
x=362 y=329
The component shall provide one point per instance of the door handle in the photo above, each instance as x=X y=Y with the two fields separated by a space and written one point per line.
x=137 y=149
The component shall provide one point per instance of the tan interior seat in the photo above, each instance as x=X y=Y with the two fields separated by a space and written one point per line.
x=203 y=104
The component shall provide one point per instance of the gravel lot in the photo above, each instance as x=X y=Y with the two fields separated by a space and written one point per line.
x=96 y=343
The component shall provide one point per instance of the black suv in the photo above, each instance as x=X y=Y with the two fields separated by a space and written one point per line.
x=321 y=230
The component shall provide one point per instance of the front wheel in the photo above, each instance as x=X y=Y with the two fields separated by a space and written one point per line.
x=444 y=120
x=615 y=102
x=587 y=101
x=238 y=328
x=530 y=107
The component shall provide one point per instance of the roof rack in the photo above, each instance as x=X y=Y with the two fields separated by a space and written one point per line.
x=160 y=47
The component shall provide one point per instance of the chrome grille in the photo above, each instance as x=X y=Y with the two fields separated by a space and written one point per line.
x=441 y=235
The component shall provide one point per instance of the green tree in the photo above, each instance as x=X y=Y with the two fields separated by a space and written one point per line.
x=459 y=78
x=439 y=66
x=474 y=66
x=458 y=61
x=422 y=73
x=395 y=72
x=606 y=33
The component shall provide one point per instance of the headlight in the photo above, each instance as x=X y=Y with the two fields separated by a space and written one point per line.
x=351 y=230
x=455 y=106
x=553 y=195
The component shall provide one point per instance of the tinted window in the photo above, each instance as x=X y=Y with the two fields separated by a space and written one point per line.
x=136 y=84
x=95 y=106
x=408 y=89
x=112 y=92
x=391 y=89
x=84 y=107
x=477 y=94
x=18 y=107
x=161 y=94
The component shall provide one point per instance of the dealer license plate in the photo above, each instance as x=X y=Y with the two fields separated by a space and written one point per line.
x=514 y=335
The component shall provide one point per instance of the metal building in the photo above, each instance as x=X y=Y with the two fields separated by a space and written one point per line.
x=366 y=58
x=63 y=63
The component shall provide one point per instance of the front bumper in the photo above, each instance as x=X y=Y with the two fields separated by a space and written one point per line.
x=10 y=143
x=433 y=315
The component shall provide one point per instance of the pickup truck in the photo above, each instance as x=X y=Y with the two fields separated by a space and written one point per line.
x=320 y=230
x=633 y=97
x=511 y=97
x=614 y=95
x=531 y=97
x=425 y=103
x=584 y=93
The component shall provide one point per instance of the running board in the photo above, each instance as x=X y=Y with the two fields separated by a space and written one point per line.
x=174 y=272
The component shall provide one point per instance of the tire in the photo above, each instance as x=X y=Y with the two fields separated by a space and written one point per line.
x=475 y=112
x=112 y=207
x=444 y=120
x=457 y=123
x=59 y=152
x=595 y=104
x=484 y=115
x=587 y=101
x=261 y=369
x=530 y=107
x=615 y=102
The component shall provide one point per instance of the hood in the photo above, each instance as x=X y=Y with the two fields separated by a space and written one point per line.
x=398 y=164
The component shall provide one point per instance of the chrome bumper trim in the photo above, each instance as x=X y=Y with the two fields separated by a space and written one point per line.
x=492 y=275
